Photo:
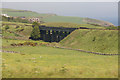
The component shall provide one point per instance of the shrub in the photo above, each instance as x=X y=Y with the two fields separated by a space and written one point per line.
x=17 y=26
x=6 y=27
x=112 y=28
x=13 y=44
x=25 y=44
x=94 y=38
x=35 y=34
x=63 y=70
x=19 y=44
x=35 y=24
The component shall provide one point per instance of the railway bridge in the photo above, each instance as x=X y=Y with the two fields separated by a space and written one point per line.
x=54 y=34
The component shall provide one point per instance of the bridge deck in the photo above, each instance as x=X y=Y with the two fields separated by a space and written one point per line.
x=57 y=28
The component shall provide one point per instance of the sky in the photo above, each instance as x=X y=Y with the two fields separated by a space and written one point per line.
x=60 y=0
x=107 y=11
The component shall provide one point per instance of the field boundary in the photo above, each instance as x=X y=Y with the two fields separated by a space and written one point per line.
x=97 y=53
x=86 y=51
x=9 y=51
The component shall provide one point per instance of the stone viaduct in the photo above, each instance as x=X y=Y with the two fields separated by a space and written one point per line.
x=54 y=34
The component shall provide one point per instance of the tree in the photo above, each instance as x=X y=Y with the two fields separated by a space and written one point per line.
x=6 y=27
x=35 y=24
x=35 y=34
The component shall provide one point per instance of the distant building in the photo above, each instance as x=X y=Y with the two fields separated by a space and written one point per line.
x=23 y=17
x=5 y=15
x=34 y=19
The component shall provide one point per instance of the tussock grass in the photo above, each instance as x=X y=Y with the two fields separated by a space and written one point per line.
x=48 y=62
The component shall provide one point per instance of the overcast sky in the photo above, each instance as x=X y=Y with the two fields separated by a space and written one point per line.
x=107 y=11
x=60 y=0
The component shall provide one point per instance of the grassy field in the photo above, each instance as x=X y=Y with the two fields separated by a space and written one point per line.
x=104 y=41
x=48 y=62
x=43 y=61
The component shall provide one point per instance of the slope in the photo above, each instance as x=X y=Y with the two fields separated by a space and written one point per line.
x=104 y=41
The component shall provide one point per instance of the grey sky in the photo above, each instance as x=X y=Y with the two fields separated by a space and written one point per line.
x=107 y=11
x=60 y=0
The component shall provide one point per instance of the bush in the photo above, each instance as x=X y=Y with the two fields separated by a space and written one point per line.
x=112 y=28
x=35 y=34
x=13 y=44
x=6 y=27
x=35 y=24
x=25 y=44
x=17 y=27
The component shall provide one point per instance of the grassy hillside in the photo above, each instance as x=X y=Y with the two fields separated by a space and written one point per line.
x=72 y=25
x=17 y=30
x=27 y=28
x=49 y=62
x=55 y=24
x=43 y=61
x=104 y=41
x=54 y=17
x=64 y=19
x=98 y=22
x=26 y=13
x=78 y=20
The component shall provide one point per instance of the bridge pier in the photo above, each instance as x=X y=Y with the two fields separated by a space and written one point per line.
x=59 y=36
x=41 y=34
x=49 y=36
x=44 y=35
x=65 y=33
x=56 y=36
x=53 y=36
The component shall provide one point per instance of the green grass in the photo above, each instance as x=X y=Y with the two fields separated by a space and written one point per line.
x=15 y=23
x=13 y=12
x=12 y=27
x=7 y=34
x=8 y=42
x=77 y=20
x=25 y=34
x=53 y=17
x=64 y=19
x=104 y=41
x=71 y=25
x=48 y=62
